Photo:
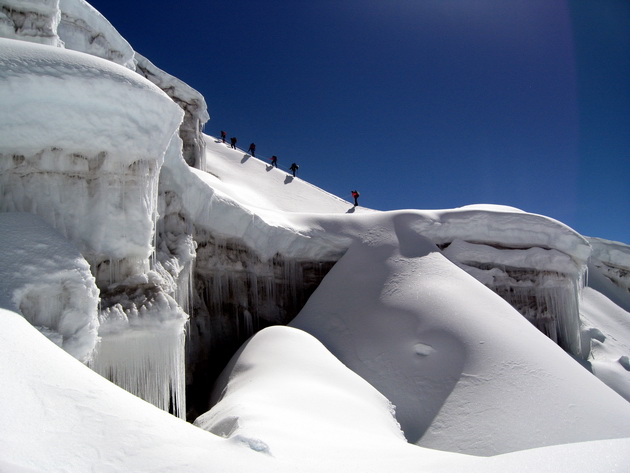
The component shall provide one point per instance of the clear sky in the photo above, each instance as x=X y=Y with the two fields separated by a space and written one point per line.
x=422 y=104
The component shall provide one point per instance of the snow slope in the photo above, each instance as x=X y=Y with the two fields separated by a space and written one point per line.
x=60 y=416
x=466 y=372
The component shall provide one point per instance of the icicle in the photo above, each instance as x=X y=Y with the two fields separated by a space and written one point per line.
x=148 y=362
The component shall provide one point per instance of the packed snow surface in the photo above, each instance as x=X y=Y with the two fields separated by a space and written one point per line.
x=81 y=102
x=60 y=416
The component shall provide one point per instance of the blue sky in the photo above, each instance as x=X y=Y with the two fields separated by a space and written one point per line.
x=422 y=104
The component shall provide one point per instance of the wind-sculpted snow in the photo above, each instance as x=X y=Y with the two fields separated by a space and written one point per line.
x=609 y=270
x=96 y=151
x=59 y=416
x=454 y=358
x=542 y=284
x=605 y=314
x=45 y=278
x=321 y=392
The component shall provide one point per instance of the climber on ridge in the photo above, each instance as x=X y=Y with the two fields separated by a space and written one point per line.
x=356 y=194
x=294 y=167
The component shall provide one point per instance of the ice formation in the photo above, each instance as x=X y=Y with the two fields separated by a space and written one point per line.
x=46 y=279
x=192 y=103
x=91 y=171
x=234 y=285
x=83 y=28
x=605 y=314
x=110 y=169
x=31 y=20
x=437 y=344
x=544 y=285
x=609 y=268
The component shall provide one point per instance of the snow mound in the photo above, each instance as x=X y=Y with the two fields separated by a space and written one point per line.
x=455 y=359
x=318 y=392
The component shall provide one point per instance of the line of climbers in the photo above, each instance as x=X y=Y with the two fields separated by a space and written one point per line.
x=274 y=162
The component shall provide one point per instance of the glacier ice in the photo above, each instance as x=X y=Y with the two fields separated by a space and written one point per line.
x=83 y=28
x=192 y=103
x=45 y=279
x=544 y=285
x=95 y=177
x=31 y=20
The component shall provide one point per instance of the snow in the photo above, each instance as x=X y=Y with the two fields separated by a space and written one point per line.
x=30 y=20
x=91 y=168
x=83 y=28
x=59 y=86
x=60 y=416
x=455 y=359
x=192 y=103
x=404 y=359
x=45 y=278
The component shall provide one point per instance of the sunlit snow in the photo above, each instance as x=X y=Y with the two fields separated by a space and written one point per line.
x=478 y=339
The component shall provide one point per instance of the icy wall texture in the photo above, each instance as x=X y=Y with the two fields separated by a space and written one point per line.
x=82 y=28
x=193 y=104
x=542 y=284
x=535 y=263
x=81 y=144
x=229 y=289
x=76 y=25
x=609 y=270
x=45 y=278
x=31 y=20
x=82 y=141
x=236 y=294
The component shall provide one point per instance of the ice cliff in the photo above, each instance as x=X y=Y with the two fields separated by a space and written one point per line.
x=76 y=25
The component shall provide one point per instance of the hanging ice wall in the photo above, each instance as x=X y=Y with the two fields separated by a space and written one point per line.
x=236 y=293
x=91 y=170
x=142 y=346
x=542 y=284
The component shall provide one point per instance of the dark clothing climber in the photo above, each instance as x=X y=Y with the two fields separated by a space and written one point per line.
x=356 y=194
x=294 y=167
x=233 y=143
x=252 y=150
x=223 y=135
x=274 y=161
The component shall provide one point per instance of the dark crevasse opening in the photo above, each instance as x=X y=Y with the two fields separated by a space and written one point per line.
x=234 y=295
